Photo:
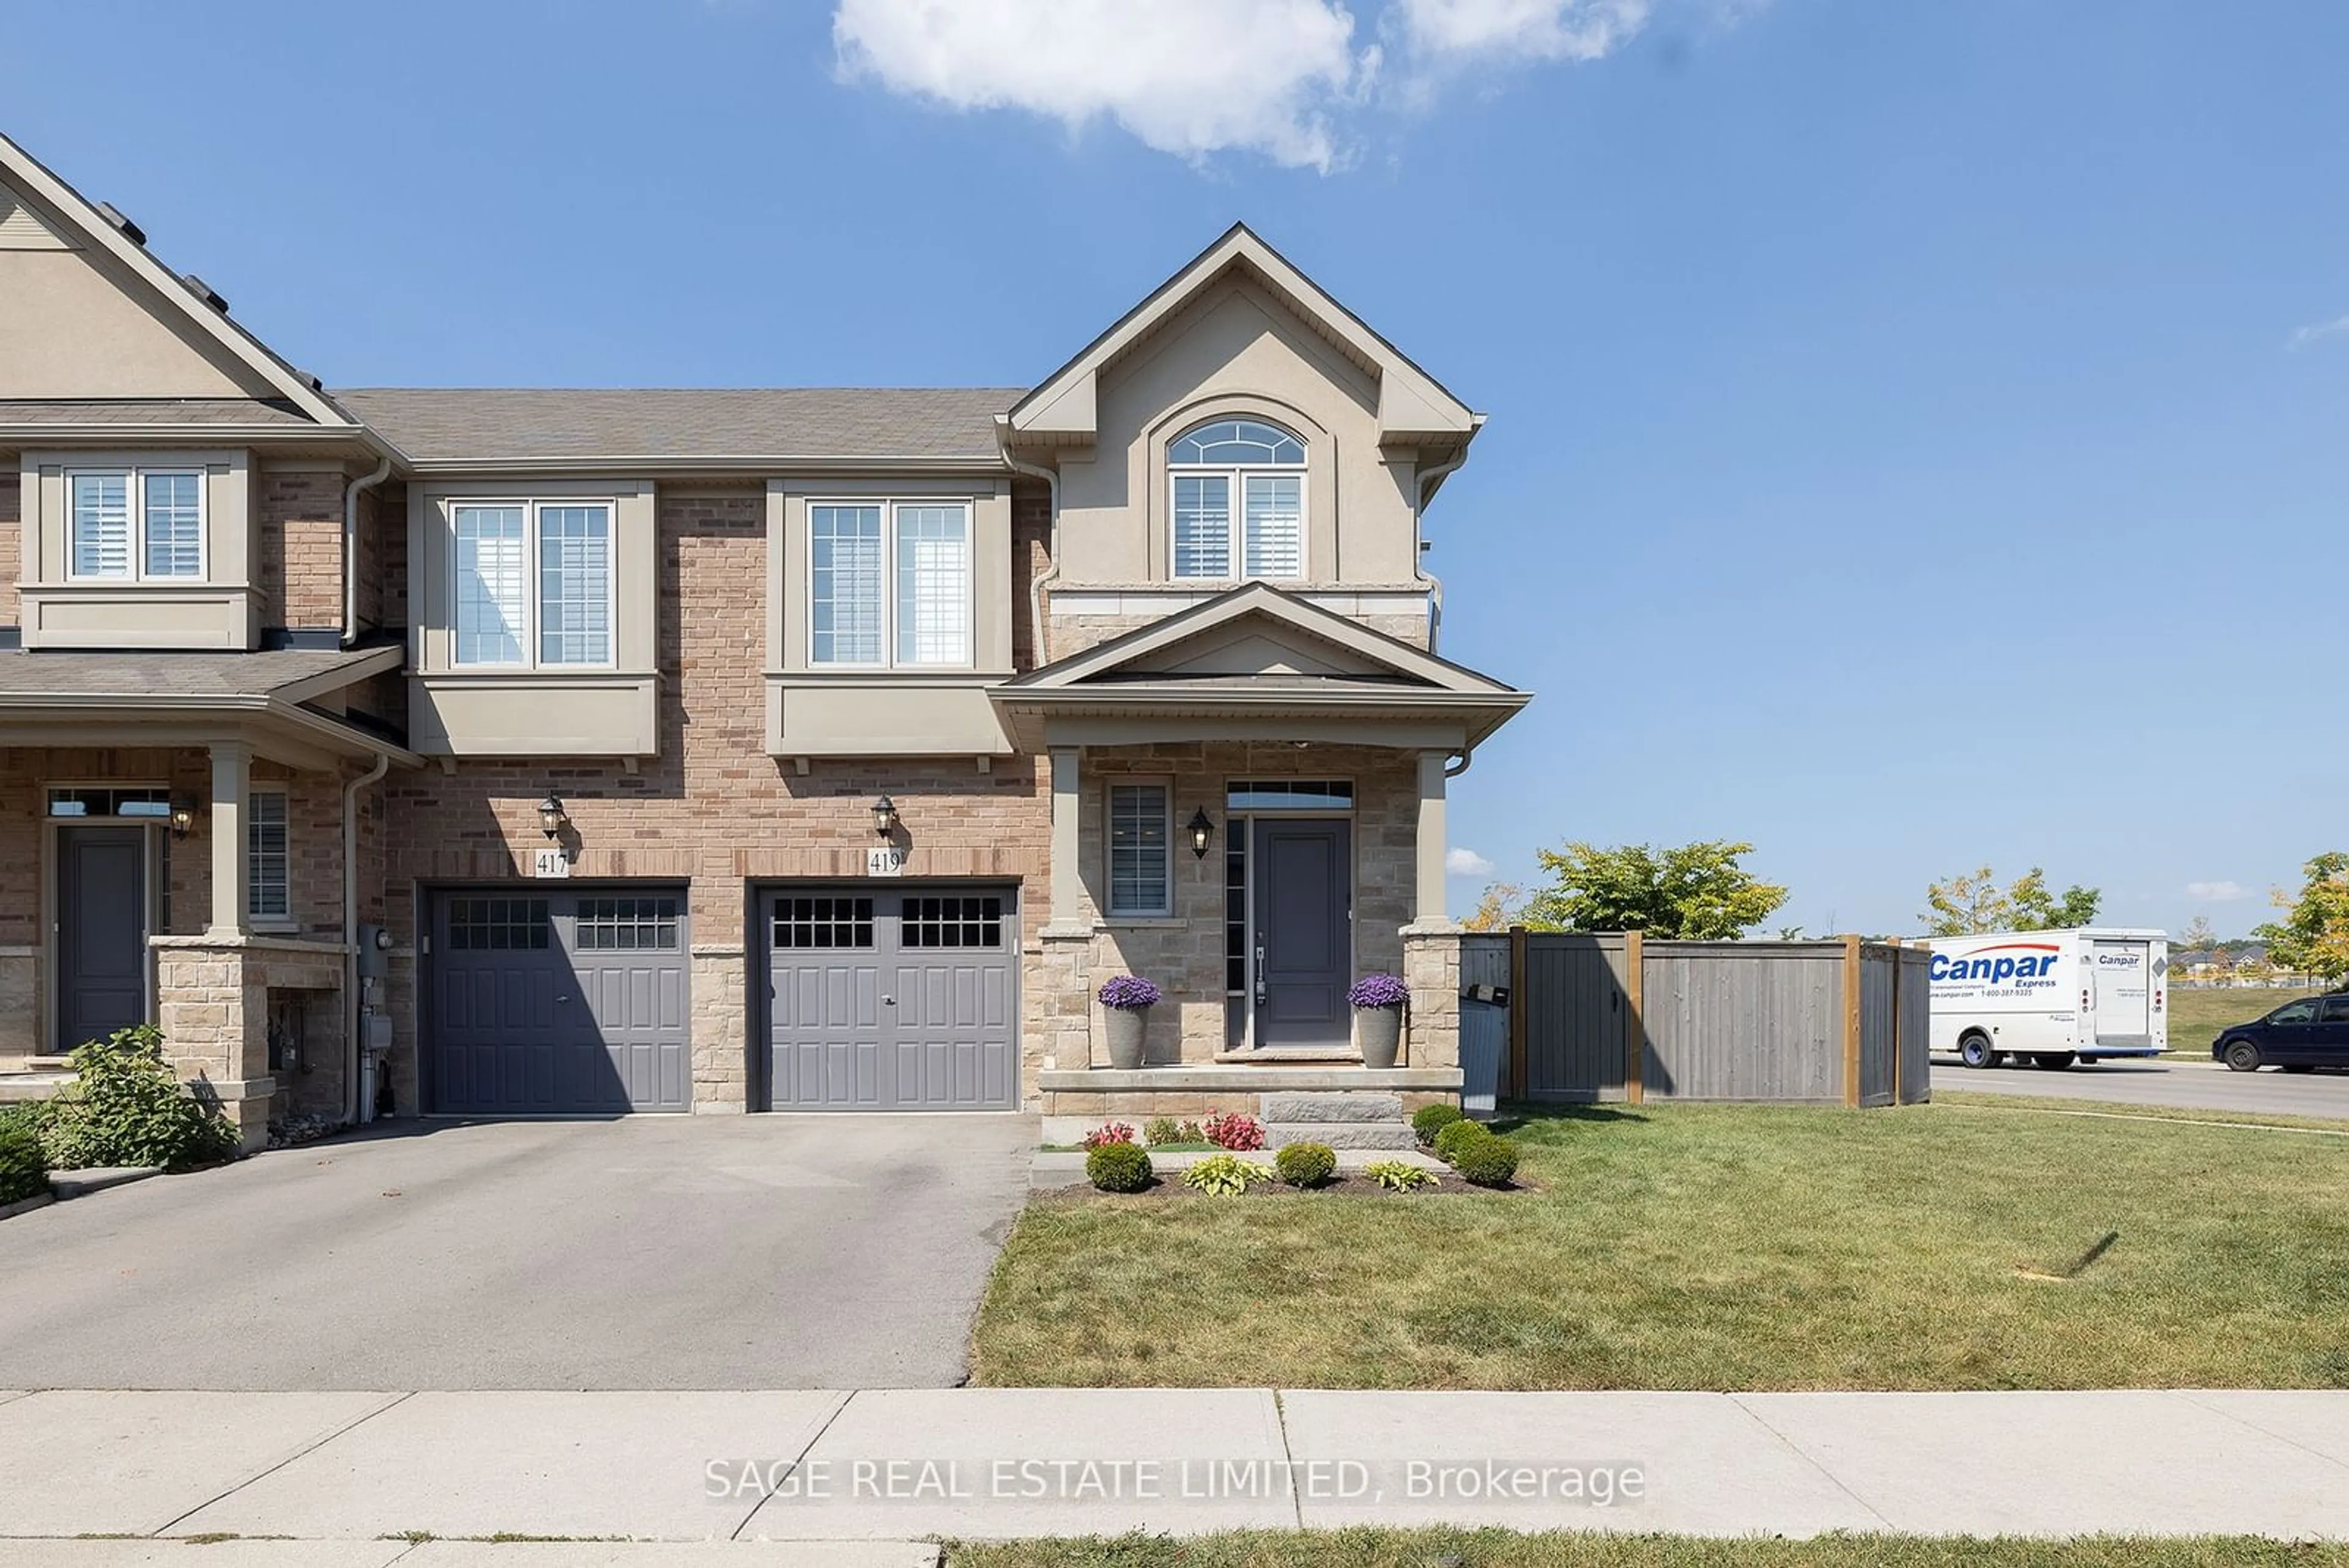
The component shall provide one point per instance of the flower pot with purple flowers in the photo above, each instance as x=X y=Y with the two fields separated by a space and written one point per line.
x=1128 y=998
x=1378 y=1000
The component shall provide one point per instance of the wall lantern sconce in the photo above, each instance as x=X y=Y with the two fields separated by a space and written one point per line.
x=183 y=819
x=1203 y=833
x=884 y=816
x=552 y=818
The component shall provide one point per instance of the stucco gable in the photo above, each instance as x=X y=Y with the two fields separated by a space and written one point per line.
x=1411 y=405
x=87 y=313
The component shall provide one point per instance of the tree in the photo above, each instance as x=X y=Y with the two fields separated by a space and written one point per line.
x=1960 y=906
x=2313 y=935
x=2198 y=936
x=1497 y=907
x=1695 y=892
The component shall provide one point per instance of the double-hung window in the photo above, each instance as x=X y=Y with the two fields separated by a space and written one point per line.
x=533 y=583
x=138 y=524
x=889 y=584
x=1244 y=470
x=1141 y=866
x=268 y=869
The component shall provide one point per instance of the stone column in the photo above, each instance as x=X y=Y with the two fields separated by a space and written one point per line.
x=1431 y=967
x=1428 y=909
x=232 y=775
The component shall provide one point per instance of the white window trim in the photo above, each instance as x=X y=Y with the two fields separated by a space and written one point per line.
x=889 y=506
x=134 y=477
x=1110 y=910
x=1237 y=514
x=532 y=566
x=284 y=921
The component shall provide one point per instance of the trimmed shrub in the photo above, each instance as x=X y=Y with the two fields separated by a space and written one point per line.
x=1234 y=1130
x=1487 y=1161
x=1453 y=1137
x=1396 y=1175
x=1306 y=1164
x=126 y=1107
x=1162 y=1129
x=1429 y=1120
x=1118 y=1168
x=23 y=1172
x=1226 y=1175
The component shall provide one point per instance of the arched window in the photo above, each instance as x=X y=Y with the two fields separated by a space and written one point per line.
x=1261 y=468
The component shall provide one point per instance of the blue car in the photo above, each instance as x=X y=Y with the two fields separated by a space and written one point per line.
x=2299 y=1036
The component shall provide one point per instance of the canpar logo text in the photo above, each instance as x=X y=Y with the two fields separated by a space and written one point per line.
x=2008 y=960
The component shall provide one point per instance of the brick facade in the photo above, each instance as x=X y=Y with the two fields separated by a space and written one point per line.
x=298 y=516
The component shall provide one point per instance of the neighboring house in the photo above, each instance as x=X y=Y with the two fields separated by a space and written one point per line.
x=1140 y=660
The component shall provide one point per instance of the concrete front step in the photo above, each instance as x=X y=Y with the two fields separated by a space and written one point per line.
x=1342 y=1134
x=1334 y=1107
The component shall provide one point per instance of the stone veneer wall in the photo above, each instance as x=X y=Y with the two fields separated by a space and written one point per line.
x=212 y=998
x=1184 y=953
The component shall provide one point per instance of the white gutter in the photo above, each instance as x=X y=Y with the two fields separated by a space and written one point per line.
x=1051 y=572
x=351 y=546
x=351 y=1053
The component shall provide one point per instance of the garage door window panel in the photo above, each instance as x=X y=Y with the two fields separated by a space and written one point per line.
x=805 y=923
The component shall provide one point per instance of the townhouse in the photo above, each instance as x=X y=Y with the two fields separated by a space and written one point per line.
x=544 y=752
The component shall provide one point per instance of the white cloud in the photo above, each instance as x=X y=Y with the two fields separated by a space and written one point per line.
x=1535 y=29
x=2218 y=892
x=2305 y=336
x=1466 y=863
x=1202 y=77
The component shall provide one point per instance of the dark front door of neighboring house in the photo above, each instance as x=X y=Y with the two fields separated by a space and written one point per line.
x=1304 y=931
x=102 y=932
x=888 y=999
x=558 y=1003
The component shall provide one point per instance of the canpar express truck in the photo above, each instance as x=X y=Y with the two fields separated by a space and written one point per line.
x=2051 y=998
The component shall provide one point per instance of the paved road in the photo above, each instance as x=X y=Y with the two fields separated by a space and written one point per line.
x=651 y=1253
x=2267 y=1092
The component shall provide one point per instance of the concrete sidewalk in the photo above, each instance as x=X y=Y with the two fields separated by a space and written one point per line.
x=740 y=1474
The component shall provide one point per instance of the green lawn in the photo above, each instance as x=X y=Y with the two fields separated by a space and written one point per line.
x=2197 y=1013
x=1366 y=1548
x=1719 y=1247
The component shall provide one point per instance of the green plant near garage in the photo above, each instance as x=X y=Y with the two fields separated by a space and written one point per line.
x=1226 y=1175
x=1118 y=1168
x=1487 y=1161
x=1306 y=1164
x=1429 y=1120
x=124 y=1107
x=23 y=1170
x=1455 y=1136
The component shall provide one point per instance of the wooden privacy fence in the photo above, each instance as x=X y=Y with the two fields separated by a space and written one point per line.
x=1619 y=1017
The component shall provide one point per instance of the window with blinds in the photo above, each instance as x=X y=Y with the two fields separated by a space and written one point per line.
x=1243 y=469
x=136 y=524
x=890 y=584
x=533 y=583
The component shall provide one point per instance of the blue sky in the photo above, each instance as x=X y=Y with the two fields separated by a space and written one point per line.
x=1919 y=434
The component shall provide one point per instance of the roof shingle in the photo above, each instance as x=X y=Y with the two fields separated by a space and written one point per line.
x=508 y=423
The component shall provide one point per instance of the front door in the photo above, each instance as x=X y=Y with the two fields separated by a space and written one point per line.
x=102 y=932
x=1304 y=932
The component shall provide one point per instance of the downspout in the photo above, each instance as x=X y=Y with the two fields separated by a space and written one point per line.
x=352 y=1056
x=1051 y=572
x=351 y=548
x=1429 y=478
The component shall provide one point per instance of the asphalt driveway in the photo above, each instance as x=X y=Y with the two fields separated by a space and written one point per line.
x=735 y=1253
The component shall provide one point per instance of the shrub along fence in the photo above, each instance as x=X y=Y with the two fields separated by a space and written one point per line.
x=1612 y=1016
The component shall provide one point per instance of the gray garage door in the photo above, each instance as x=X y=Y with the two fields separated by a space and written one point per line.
x=891 y=999
x=558 y=1003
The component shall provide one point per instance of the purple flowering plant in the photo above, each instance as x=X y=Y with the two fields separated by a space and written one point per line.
x=1128 y=992
x=1378 y=991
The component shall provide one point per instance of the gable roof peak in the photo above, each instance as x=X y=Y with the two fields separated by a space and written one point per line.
x=1412 y=404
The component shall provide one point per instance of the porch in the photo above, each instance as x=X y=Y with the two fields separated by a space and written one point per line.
x=1248 y=810
x=173 y=828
